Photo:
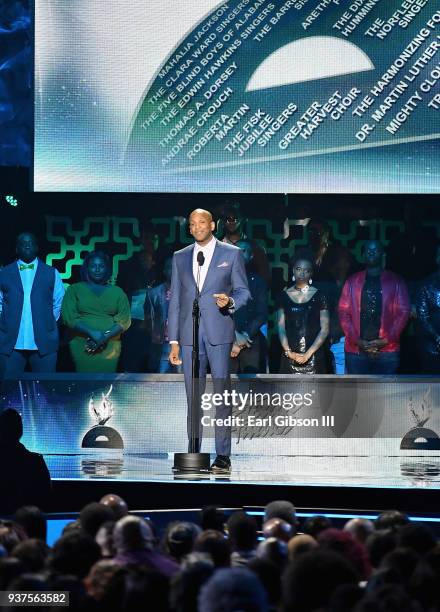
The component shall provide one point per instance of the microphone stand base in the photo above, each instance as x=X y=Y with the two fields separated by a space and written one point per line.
x=199 y=463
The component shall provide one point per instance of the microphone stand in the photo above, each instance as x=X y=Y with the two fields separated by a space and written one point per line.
x=194 y=461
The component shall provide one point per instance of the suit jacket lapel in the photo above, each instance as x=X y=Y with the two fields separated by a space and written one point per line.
x=17 y=277
x=189 y=265
x=215 y=260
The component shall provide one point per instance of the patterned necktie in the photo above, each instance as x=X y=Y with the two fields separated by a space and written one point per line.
x=26 y=267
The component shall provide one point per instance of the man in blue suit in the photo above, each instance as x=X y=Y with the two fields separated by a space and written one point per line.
x=223 y=290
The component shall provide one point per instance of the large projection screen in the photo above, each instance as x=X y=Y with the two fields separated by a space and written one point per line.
x=309 y=96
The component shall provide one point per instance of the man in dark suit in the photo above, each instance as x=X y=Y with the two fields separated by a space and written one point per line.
x=30 y=301
x=223 y=290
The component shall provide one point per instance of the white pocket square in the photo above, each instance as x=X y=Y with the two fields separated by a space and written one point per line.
x=224 y=264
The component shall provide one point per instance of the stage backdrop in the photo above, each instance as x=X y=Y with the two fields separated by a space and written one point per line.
x=237 y=96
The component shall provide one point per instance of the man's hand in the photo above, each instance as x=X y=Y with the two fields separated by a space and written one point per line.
x=378 y=344
x=372 y=346
x=221 y=299
x=236 y=350
x=173 y=357
x=364 y=345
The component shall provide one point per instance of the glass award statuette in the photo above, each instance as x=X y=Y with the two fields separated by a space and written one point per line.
x=420 y=437
x=100 y=435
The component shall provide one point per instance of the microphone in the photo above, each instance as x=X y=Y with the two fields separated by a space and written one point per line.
x=200 y=258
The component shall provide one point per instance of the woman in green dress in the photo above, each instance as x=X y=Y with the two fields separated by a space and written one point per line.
x=97 y=314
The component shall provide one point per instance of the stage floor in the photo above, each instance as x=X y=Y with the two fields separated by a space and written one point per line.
x=411 y=472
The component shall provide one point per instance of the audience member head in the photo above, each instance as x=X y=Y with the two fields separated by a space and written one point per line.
x=26 y=247
x=104 y=538
x=116 y=504
x=270 y=577
x=75 y=587
x=73 y=554
x=300 y=544
x=380 y=543
x=179 y=538
x=233 y=589
x=416 y=536
x=345 y=598
x=344 y=543
x=273 y=550
x=242 y=531
x=32 y=553
x=212 y=517
x=391 y=519
x=132 y=533
x=96 y=268
x=29 y=582
x=11 y=534
x=311 y=579
x=360 y=528
x=72 y=527
x=99 y=577
x=11 y=427
x=214 y=544
x=278 y=528
x=10 y=568
x=145 y=588
x=282 y=509
x=387 y=598
x=196 y=569
x=33 y=522
x=93 y=516
x=315 y=524
x=402 y=562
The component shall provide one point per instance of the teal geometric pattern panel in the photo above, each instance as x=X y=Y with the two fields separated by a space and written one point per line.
x=120 y=235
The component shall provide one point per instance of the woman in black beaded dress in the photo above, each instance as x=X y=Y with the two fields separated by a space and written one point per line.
x=303 y=321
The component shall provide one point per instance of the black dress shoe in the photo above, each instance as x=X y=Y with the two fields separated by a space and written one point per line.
x=221 y=465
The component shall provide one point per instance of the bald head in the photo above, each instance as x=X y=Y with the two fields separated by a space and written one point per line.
x=203 y=213
x=301 y=544
x=132 y=533
x=201 y=226
x=116 y=504
x=279 y=529
x=360 y=528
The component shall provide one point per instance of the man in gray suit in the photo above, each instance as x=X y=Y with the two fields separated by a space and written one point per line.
x=223 y=290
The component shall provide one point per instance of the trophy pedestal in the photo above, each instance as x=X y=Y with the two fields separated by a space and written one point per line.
x=192 y=463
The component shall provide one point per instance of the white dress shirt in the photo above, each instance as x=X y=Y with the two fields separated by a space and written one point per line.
x=26 y=338
x=208 y=252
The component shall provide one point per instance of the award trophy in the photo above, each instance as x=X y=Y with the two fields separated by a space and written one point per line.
x=100 y=435
x=420 y=437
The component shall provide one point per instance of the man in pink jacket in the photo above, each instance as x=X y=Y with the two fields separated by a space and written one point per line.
x=373 y=309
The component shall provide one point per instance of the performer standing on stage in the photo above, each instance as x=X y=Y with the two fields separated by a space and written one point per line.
x=223 y=290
